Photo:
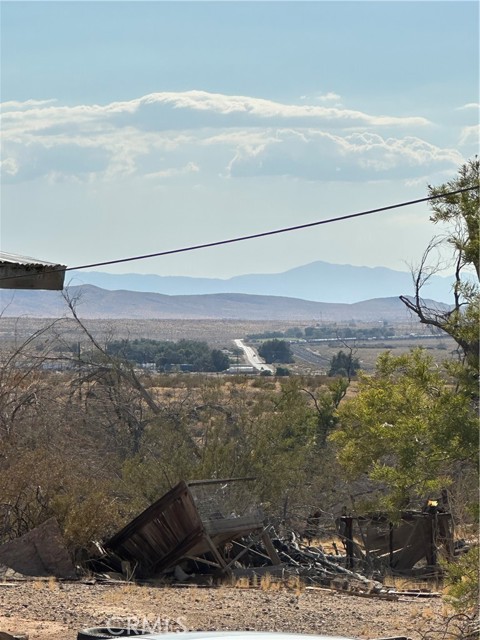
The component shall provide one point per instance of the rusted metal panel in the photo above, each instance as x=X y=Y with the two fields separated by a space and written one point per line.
x=414 y=538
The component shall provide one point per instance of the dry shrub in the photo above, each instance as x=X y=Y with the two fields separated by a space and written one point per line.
x=87 y=512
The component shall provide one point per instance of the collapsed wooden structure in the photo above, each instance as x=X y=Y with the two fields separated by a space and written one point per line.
x=213 y=523
x=211 y=527
x=178 y=526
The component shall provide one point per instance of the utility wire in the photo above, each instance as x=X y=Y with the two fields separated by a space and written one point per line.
x=263 y=234
x=268 y=233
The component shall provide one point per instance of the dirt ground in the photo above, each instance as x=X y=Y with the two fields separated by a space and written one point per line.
x=51 y=610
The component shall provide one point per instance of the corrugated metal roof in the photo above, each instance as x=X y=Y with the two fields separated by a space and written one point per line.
x=25 y=260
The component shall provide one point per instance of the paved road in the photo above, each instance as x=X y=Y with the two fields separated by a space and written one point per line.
x=305 y=354
x=253 y=358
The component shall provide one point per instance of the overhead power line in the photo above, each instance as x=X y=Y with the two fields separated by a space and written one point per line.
x=263 y=234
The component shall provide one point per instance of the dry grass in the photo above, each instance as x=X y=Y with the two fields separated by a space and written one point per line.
x=215 y=332
x=405 y=583
x=269 y=583
x=50 y=583
x=242 y=583
x=128 y=592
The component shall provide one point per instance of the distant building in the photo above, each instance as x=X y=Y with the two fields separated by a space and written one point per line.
x=149 y=366
x=241 y=369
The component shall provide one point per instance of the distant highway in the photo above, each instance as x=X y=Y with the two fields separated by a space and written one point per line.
x=305 y=354
x=253 y=358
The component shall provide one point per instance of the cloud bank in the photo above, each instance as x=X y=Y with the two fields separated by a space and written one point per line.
x=170 y=135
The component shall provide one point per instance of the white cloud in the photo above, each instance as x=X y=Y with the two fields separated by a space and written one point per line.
x=330 y=96
x=315 y=155
x=470 y=135
x=173 y=172
x=188 y=110
x=171 y=134
x=26 y=104
x=468 y=106
x=227 y=110
x=9 y=166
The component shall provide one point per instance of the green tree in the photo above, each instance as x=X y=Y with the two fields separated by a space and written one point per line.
x=344 y=364
x=164 y=354
x=282 y=371
x=408 y=429
x=276 y=351
x=326 y=402
x=220 y=360
x=462 y=579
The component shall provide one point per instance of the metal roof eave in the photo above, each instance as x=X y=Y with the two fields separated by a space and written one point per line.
x=17 y=272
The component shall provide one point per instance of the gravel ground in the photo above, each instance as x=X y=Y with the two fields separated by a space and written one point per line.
x=56 y=611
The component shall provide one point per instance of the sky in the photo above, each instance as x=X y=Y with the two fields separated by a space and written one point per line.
x=131 y=128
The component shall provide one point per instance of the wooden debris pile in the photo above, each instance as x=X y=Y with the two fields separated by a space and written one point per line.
x=312 y=565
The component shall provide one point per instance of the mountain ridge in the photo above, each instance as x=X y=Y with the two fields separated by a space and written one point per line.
x=93 y=302
x=317 y=281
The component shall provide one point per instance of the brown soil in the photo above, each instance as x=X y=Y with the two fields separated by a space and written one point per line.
x=56 y=611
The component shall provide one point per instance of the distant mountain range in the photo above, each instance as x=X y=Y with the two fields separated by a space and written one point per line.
x=317 y=281
x=94 y=302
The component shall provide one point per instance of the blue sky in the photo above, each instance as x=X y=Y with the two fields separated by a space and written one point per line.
x=136 y=127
